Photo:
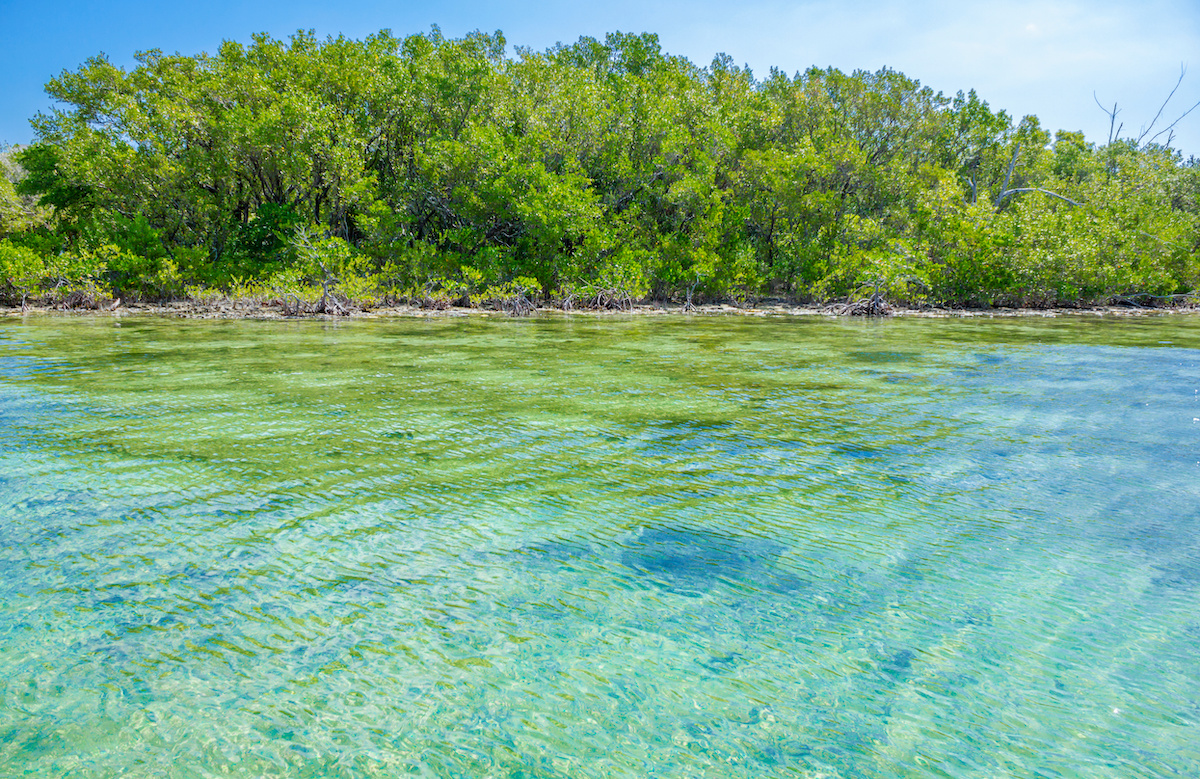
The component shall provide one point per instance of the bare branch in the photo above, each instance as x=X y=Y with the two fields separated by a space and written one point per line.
x=1171 y=126
x=1008 y=175
x=1161 y=108
x=1112 y=118
x=1114 y=130
x=1008 y=192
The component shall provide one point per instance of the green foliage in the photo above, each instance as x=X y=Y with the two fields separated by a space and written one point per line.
x=21 y=271
x=260 y=246
x=19 y=214
x=25 y=273
x=449 y=171
x=45 y=177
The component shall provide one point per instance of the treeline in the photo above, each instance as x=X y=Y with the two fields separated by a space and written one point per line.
x=432 y=169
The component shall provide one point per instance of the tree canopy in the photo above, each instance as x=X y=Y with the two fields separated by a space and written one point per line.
x=603 y=167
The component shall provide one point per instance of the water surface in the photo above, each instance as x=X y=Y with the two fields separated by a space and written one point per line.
x=600 y=547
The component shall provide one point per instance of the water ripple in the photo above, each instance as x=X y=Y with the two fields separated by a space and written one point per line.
x=554 y=548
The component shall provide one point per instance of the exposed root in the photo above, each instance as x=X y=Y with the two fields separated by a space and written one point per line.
x=80 y=299
x=291 y=304
x=874 y=305
x=688 y=305
x=1146 y=300
x=612 y=300
x=517 y=305
x=333 y=303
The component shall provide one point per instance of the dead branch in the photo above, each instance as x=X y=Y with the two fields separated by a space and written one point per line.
x=1112 y=119
x=1008 y=174
x=1014 y=190
x=1169 y=130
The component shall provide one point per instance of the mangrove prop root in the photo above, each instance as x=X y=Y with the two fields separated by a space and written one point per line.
x=1146 y=300
x=874 y=305
x=517 y=305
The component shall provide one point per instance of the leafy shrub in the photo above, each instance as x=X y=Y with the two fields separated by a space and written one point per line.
x=22 y=272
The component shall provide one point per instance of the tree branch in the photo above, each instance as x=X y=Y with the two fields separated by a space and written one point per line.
x=1163 y=107
x=1008 y=192
x=1171 y=127
x=1004 y=190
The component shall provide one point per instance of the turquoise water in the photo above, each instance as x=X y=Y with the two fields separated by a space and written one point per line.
x=600 y=547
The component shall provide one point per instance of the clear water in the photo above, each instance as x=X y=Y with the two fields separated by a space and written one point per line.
x=600 y=547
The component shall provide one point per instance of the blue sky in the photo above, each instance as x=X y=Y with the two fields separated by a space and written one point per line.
x=1045 y=58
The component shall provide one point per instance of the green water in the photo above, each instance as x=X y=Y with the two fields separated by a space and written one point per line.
x=600 y=547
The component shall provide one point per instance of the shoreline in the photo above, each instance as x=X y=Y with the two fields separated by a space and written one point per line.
x=250 y=310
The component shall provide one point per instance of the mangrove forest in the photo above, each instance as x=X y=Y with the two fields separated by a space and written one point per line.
x=443 y=171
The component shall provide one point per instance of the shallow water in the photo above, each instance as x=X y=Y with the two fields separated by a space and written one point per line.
x=600 y=547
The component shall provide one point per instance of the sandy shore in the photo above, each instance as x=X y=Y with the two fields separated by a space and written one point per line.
x=255 y=310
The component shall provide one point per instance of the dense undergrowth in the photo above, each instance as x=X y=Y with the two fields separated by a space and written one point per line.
x=329 y=173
